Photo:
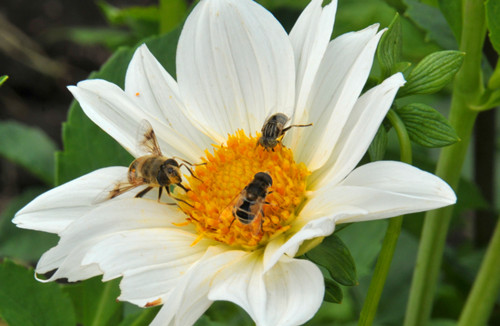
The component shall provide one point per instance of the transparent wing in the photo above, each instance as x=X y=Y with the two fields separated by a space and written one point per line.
x=147 y=141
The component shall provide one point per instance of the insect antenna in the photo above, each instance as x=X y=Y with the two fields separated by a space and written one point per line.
x=286 y=129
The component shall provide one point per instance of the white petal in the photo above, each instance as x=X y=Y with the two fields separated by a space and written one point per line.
x=387 y=189
x=131 y=250
x=151 y=87
x=290 y=293
x=188 y=300
x=104 y=221
x=54 y=210
x=235 y=66
x=315 y=220
x=110 y=108
x=309 y=37
x=358 y=132
x=340 y=79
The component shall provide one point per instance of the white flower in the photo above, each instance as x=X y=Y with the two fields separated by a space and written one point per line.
x=235 y=66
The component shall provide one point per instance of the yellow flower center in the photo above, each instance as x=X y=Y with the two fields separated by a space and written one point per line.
x=217 y=191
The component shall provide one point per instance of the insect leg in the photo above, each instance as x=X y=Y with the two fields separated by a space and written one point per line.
x=143 y=192
x=180 y=185
x=159 y=193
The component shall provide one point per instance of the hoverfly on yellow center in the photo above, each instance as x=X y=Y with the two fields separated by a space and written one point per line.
x=245 y=195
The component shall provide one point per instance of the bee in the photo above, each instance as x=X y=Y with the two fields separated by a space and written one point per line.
x=153 y=170
x=249 y=203
x=273 y=129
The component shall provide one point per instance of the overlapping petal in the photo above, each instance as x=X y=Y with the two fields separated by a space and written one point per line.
x=340 y=79
x=54 y=210
x=373 y=191
x=103 y=221
x=235 y=66
x=310 y=37
x=151 y=87
x=115 y=112
x=358 y=132
x=275 y=297
x=189 y=300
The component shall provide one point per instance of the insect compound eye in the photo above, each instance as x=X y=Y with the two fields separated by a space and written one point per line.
x=170 y=170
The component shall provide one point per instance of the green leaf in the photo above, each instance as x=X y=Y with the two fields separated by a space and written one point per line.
x=141 y=318
x=494 y=82
x=95 y=302
x=24 y=301
x=206 y=321
x=492 y=13
x=364 y=241
x=86 y=146
x=452 y=11
x=442 y=322
x=27 y=245
x=172 y=13
x=29 y=147
x=426 y=126
x=142 y=21
x=225 y=313
x=119 y=16
x=333 y=292
x=110 y=37
x=334 y=255
x=390 y=48
x=3 y=79
x=431 y=20
x=379 y=145
x=432 y=73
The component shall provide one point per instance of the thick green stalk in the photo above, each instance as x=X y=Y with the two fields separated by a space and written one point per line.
x=485 y=290
x=467 y=90
x=391 y=236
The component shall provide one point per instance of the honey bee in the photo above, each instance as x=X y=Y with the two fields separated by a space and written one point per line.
x=249 y=203
x=153 y=170
x=273 y=129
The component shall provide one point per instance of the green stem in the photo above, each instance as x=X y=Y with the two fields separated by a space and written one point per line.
x=467 y=91
x=486 y=287
x=391 y=236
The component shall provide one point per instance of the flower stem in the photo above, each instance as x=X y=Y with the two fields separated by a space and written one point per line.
x=486 y=287
x=391 y=236
x=467 y=90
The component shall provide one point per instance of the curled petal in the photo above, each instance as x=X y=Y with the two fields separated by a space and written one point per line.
x=359 y=130
x=388 y=188
x=313 y=224
x=189 y=300
x=275 y=297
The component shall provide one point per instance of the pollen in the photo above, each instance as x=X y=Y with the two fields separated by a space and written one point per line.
x=217 y=187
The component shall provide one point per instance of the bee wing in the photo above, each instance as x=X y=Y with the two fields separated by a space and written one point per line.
x=114 y=190
x=147 y=139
